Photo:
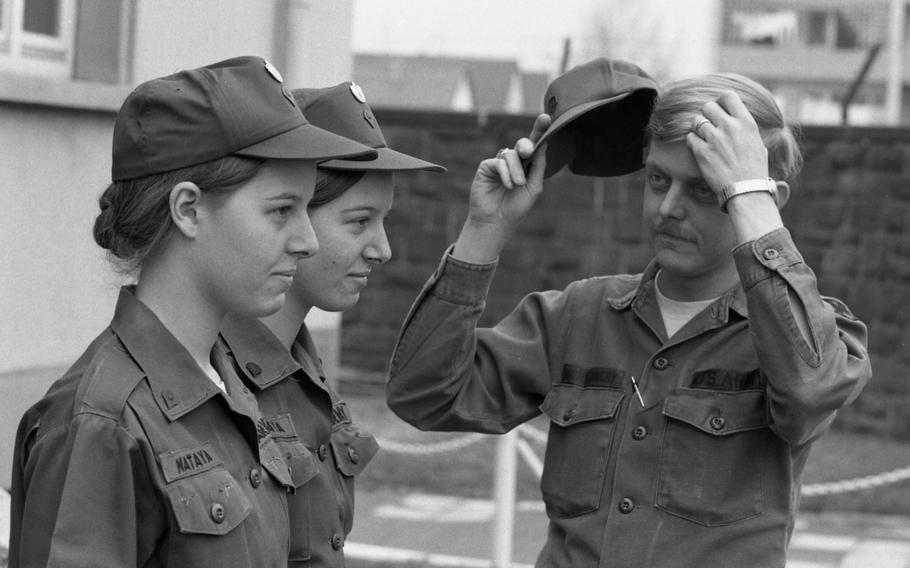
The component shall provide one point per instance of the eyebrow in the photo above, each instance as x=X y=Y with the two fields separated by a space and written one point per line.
x=361 y=208
x=283 y=196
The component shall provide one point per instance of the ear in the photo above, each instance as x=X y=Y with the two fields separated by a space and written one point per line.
x=783 y=193
x=184 y=201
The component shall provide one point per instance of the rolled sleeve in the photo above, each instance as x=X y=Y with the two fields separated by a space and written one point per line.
x=811 y=372
x=448 y=375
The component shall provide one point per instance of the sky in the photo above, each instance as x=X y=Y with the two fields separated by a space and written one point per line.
x=669 y=38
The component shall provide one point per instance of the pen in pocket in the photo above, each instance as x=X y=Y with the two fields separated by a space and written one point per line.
x=637 y=392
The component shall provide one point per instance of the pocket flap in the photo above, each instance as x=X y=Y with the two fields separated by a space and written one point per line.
x=300 y=460
x=719 y=413
x=209 y=503
x=353 y=449
x=570 y=404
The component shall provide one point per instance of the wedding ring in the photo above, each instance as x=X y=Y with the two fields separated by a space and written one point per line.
x=500 y=153
x=699 y=124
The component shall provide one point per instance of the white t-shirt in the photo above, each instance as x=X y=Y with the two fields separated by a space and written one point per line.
x=675 y=313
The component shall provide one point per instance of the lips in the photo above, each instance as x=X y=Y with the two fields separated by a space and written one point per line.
x=288 y=273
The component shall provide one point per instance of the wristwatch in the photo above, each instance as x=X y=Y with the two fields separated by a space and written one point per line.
x=746 y=186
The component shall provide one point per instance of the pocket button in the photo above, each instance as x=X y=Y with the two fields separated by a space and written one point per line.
x=352 y=453
x=217 y=513
x=639 y=433
x=626 y=506
x=718 y=422
x=337 y=541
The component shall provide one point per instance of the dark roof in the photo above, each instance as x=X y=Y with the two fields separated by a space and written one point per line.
x=425 y=82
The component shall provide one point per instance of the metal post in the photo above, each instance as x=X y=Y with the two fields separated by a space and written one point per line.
x=895 y=82
x=504 y=499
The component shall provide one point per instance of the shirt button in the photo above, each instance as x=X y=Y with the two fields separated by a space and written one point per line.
x=626 y=506
x=661 y=363
x=217 y=513
x=337 y=541
x=639 y=433
x=352 y=453
x=322 y=452
x=718 y=422
x=255 y=477
x=771 y=253
x=254 y=369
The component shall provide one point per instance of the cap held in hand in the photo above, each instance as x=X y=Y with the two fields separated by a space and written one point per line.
x=343 y=109
x=600 y=110
x=239 y=106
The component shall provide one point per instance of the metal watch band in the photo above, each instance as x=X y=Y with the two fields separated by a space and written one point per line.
x=746 y=186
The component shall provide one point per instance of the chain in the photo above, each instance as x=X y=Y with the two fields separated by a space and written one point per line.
x=857 y=483
x=432 y=448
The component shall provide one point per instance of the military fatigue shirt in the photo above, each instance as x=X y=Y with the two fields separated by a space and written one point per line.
x=136 y=458
x=313 y=427
x=707 y=470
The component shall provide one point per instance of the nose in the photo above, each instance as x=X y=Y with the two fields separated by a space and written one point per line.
x=303 y=242
x=378 y=251
x=672 y=204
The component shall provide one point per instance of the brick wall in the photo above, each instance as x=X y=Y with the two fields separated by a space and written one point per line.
x=850 y=217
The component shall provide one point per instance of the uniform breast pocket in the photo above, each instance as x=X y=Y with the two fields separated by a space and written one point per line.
x=712 y=455
x=210 y=503
x=581 y=434
x=353 y=449
x=303 y=467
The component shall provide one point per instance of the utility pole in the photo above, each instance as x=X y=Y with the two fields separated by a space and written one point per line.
x=895 y=82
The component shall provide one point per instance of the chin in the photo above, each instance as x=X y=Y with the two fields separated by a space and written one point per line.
x=265 y=307
x=339 y=304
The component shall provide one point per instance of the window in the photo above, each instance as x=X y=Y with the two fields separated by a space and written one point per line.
x=85 y=40
x=817 y=28
x=39 y=31
x=42 y=17
x=761 y=27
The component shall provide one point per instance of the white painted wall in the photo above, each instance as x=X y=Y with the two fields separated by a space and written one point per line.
x=171 y=35
x=56 y=290
x=318 y=42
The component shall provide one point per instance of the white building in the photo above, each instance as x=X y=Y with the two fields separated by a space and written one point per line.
x=65 y=68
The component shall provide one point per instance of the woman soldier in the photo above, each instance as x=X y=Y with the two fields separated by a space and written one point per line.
x=149 y=451
x=325 y=449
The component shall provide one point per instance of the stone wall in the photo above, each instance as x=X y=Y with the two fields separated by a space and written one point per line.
x=850 y=217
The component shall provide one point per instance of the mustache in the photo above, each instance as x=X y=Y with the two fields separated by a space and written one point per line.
x=671 y=229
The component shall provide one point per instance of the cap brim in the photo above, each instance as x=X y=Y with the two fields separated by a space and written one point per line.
x=556 y=160
x=386 y=160
x=307 y=142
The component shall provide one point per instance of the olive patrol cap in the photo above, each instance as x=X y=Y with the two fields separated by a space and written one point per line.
x=600 y=110
x=234 y=107
x=343 y=109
